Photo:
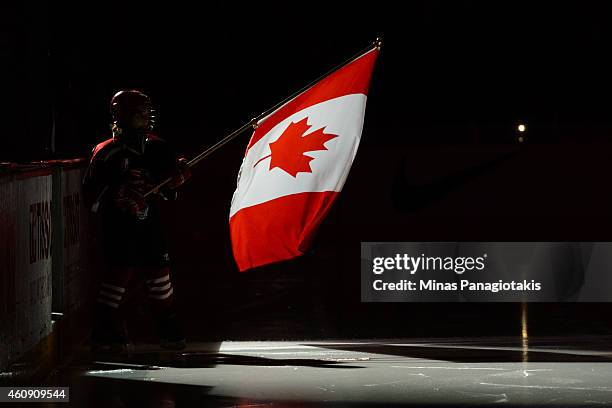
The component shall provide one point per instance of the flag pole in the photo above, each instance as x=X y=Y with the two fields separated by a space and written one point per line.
x=254 y=123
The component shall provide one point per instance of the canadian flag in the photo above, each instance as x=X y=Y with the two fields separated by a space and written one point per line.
x=295 y=165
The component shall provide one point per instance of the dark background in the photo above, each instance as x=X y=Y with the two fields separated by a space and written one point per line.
x=460 y=71
x=440 y=157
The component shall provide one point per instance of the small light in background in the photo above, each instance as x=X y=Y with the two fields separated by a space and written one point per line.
x=521 y=128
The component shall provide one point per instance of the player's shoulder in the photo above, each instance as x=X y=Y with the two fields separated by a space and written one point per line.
x=157 y=147
x=155 y=140
x=106 y=149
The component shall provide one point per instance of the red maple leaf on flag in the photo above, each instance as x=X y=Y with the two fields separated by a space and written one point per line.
x=287 y=152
